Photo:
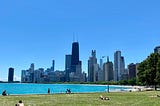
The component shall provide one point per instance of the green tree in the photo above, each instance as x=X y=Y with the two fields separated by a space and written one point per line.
x=149 y=70
x=158 y=73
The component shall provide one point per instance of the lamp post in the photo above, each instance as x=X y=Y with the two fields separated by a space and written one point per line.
x=108 y=87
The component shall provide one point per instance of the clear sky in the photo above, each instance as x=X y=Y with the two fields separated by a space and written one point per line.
x=38 y=31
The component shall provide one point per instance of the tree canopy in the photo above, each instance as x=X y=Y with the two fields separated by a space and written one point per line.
x=149 y=70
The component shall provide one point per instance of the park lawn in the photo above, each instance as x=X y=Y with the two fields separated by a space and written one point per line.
x=147 y=98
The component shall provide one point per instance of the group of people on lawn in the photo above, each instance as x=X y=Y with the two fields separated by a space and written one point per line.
x=68 y=91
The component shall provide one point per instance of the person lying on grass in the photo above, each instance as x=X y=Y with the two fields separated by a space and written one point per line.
x=103 y=98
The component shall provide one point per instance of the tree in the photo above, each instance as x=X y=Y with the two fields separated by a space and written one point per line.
x=158 y=73
x=149 y=70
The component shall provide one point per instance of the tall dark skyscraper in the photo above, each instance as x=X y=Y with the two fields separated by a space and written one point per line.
x=10 y=74
x=75 y=56
x=73 y=66
x=75 y=53
x=53 y=64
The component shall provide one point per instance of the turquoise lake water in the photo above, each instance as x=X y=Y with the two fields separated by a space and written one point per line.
x=20 y=88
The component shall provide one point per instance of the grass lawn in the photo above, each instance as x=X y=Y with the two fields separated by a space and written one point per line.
x=147 y=98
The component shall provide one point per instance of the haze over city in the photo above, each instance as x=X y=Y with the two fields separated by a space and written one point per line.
x=40 y=31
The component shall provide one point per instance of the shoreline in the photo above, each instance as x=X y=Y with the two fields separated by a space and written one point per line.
x=56 y=89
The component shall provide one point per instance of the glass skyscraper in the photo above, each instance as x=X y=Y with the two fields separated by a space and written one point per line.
x=119 y=66
x=75 y=56
x=75 y=53
x=67 y=66
x=92 y=67
x=73 y=66
x=10 y=74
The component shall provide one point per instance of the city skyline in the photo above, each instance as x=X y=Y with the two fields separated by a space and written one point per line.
x=39 y=32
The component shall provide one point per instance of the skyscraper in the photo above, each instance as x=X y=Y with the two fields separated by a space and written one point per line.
x=75 y=53
x=132 y=70
x=31 y=71
x=75 y=56
x=73 y=66
x=122 y=66
x=157 y=49
x=108 y=70
x=67 y=66
x=100 y=71
x=32 y=68
x=119 y=66
x=10 y=74
x=92 y=67
x=53 y=64
x=101 y=64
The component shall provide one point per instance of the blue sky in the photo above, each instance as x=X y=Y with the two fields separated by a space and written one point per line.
x=38 y=31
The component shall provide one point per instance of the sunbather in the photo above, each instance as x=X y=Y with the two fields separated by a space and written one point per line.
x=103 y=98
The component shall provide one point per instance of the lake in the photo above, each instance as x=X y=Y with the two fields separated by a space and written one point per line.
x=24 y=88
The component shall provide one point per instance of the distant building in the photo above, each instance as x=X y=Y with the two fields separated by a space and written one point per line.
x=75 y=56
x=84 y=78
x=100 y=75
x=73 y=66
x=108 y=71
x=25 y=76
x=119 y=66
x=125 y=75
x=93 y=67
x=101 y=64
x=157 y=49
x=10 y=74
x=28 y=75
x=59 y=76
x=53 y=65
x=67 y=67
x=72 y=73
x=76 y=64
x=124 y=72
x=31 y=71
x=100 y=71
x=38 y=75
x=51 y=73
x=132 y=70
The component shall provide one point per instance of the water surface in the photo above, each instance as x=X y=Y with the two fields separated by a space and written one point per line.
x=23 y=88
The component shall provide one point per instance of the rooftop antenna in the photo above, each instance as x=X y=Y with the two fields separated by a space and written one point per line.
x=77 y=38
x=107 y=58
x=73 y=37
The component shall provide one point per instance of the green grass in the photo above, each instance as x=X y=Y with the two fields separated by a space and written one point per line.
x=86 y=99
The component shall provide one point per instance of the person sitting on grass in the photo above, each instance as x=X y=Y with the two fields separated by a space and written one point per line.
x=4 y=93
x=20 y=103
x=103 y=98
x=68 y=91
